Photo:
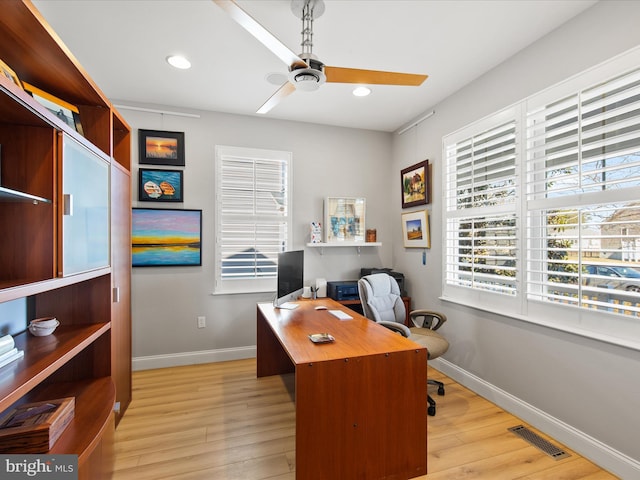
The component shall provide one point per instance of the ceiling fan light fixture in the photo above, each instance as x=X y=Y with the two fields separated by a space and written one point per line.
x=307 y=79
x=361 y=91
x=178 y=61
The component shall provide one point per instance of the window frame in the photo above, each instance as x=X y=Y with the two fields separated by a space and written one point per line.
x=577 y=320
x=225 y=286
x=453 y=214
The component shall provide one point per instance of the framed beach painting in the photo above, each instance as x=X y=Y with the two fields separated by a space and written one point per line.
x=160 y=185
x=157 y=147
x=166 y=237
x=415 y=229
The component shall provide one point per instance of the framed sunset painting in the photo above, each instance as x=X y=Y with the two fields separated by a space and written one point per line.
x=159 y=147
x=166 y=237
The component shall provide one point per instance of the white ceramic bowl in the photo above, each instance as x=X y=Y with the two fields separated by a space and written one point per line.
x=41 y=327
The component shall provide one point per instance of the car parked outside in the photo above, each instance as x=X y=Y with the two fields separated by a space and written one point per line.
x=620 y=277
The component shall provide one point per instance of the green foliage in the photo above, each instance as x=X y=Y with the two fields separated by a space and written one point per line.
x=558 y=249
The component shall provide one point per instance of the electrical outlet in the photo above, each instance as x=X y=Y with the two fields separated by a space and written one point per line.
x=202 y=322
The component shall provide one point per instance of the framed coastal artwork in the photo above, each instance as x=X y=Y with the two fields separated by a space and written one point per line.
x=158 y=147
x=163 y=237
x=160 y=185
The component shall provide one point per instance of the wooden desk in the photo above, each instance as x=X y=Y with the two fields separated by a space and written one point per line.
x=351 y=394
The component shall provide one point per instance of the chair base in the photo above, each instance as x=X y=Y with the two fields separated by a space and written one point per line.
x=431 y=409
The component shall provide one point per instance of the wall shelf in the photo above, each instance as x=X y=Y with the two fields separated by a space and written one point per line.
x=357 y=245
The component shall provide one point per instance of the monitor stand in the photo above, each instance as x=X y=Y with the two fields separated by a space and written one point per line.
x=288 y=306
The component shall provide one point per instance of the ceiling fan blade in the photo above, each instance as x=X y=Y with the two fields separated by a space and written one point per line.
x=375 y=77
x=265 y=37
x=284 y=91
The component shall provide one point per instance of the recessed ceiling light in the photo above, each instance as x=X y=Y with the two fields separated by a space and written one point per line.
x=361 y=91
x=179 y=61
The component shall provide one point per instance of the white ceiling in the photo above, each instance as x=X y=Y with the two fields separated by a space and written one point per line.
x=123 y=44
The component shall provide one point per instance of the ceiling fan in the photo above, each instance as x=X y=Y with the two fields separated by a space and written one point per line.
x=306 y=71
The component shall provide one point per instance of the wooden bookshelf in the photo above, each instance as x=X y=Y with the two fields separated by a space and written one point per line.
x=88 y=357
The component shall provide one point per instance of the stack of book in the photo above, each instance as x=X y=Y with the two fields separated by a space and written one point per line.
x=8 y=351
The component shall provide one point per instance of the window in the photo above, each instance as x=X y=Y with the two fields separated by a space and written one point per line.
x=543 y=210
x=253 y=216
x=481 y=207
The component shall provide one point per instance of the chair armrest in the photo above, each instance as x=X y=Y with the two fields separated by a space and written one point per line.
x=429 y=319
x=397 y=328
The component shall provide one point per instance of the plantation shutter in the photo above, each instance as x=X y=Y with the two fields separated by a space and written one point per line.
x=556 y=240
x=481 y=170
x=583 y=220
x=586 y=142
x=481 y=222
x=253 y=216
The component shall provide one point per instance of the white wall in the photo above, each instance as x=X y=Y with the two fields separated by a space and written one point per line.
x=577 y=389
x=327 y=161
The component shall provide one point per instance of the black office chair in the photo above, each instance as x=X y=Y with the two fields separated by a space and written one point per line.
x=382 y=303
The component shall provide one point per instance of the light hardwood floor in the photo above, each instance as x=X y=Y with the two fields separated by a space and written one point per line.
x=218 y=421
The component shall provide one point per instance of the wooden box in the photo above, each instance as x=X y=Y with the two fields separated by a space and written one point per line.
x=35 y=427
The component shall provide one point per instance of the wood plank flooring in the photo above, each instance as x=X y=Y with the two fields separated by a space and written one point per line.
x=218 y=421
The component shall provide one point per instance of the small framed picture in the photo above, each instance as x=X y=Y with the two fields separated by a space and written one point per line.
x=159 y=147
x=344 y=219
x=10 y=74
x=65 y=111
x=160 y=185
x=415 y=184
x=415 y=229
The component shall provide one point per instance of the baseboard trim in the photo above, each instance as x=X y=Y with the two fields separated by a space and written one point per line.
x=599 y=453
x=192 y=358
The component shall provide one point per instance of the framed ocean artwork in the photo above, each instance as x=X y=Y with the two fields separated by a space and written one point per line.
x=156 y=185
x=159 y=147
x=166 y=237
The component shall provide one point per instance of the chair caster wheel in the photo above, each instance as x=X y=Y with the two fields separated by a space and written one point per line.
x=441 y=391
x=431 y=411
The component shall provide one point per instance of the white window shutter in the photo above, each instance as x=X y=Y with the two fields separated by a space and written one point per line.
x=253 y=217
x=543 y=206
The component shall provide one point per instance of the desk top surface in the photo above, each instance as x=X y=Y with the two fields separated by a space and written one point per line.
x=354 y=337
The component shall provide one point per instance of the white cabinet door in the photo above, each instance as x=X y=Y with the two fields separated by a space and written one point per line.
x=85 y=209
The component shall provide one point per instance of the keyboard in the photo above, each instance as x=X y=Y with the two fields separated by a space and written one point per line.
x=340 y=314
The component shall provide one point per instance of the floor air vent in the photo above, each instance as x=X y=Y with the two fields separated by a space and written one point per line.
x=539 y=442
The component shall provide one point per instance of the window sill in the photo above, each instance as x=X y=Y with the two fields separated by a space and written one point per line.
x=602 y=337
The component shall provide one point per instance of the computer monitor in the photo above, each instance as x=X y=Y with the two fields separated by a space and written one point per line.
x=290 y=278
